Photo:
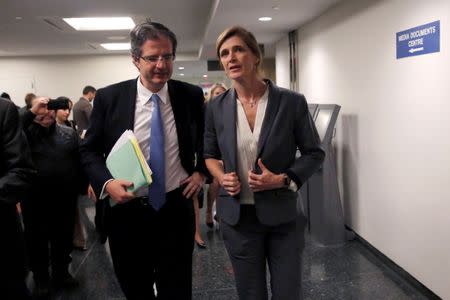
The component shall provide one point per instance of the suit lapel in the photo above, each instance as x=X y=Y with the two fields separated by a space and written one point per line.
x=271 y=111
x=129 y=107
x=229 y=110
x=178 y=112
x=126 y=104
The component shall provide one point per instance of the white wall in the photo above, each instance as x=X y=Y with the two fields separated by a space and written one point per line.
x=55 y=76
x=282 y=62
x=394 y=129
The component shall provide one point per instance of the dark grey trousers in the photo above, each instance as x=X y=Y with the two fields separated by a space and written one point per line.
x=251 y=245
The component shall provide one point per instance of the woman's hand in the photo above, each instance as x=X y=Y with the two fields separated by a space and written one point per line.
x=230 y=182
x=264 y=181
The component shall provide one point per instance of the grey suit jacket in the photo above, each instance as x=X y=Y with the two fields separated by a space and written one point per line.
x=81 y=114
x=287 y=125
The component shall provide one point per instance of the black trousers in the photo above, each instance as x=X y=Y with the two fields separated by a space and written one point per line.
x=12 y=255
x=49 y=220
x=150 y=247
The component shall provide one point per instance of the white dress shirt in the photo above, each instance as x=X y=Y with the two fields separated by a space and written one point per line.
x=247 y=145
x=175 y=173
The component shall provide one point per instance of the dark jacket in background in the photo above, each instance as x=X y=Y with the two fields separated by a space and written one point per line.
x=81 y=114
x=49 y=211
x=16 y=174
x=54 y=151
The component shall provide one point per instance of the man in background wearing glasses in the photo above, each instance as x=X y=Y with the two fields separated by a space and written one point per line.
x=151 y=231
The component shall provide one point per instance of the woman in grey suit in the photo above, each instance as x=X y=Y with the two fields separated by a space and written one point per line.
x=255 y=128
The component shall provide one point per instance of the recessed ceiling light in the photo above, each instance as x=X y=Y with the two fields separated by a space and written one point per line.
x=116 y=46
x=180 y=68
x=18 y=18
x=181 y=74
x=265 y=19
x=116 y=38
x=119 y=23
x=205 y=76
x=275 y=7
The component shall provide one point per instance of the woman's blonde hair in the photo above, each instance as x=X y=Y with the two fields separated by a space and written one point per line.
x=214 y=88
x=247 y=37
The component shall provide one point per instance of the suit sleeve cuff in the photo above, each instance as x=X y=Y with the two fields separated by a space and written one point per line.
x=103 y=193
x=294 y=179
x=293 y=186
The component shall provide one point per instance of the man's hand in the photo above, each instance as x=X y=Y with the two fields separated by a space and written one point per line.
x=39 y=106
x=230 y=182
x=194 y=184
x=264 y=181
x=91 y=194
x=117 y=190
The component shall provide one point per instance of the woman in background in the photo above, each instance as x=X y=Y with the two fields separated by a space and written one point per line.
x=62 y=115
x=252 y=132
x=215 y=90
x=213 y=188
x=79 y=234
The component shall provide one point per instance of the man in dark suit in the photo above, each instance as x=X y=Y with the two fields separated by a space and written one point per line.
x=16 y=171
x=151 y=231
x=83 y=108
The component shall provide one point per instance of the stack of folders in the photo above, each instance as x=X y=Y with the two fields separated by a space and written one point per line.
x=126 y=161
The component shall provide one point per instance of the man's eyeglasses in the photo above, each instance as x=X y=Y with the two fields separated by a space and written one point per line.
x=155 y=59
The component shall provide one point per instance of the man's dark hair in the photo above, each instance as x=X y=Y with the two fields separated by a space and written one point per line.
x=150 y=31
x=28 y=98
x=89 y=89
x=5 y=95
x=67 y=100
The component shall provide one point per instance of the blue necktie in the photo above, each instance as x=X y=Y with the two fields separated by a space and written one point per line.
x=157 y=190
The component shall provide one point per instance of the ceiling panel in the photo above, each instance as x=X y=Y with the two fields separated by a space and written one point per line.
x=27 y=26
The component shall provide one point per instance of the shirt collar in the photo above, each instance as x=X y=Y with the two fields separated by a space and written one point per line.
x=144 y=93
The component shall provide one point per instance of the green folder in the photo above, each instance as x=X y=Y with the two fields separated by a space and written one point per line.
x=124 y=163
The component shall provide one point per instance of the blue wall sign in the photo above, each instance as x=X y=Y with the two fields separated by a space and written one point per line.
x=419 y=40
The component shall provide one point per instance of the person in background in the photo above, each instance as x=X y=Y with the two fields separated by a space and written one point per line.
x=79 y=234
x=198 y=203
x=213 y=189
x=151 y=231
x=83 y=108
x=81 y=117
x=216 y=90
x=28 y=98
x=49 y=210
x=62 y=115
x=6 y=96
x=16 y=175
x=214 y=186
x=252 y=132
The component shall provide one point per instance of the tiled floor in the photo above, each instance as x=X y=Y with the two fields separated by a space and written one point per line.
x=345 y=272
